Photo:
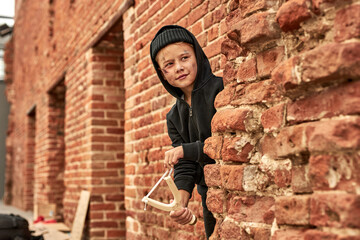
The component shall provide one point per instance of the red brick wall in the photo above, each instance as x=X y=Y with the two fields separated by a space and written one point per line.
x=286 y=134
x=285 y=137
x=68 y=71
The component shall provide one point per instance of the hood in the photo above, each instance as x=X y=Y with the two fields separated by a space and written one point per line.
x=204 y=72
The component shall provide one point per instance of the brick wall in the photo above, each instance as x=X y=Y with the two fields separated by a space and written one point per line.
x=65 y=82
x=285 y=137
x=286 y=134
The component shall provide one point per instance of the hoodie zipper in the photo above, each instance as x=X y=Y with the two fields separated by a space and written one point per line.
x=192 y=121
x=191 y=117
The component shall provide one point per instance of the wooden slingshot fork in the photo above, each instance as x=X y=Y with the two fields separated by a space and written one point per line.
x=174 y=205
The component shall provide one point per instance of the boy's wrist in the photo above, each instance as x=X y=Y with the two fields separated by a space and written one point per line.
x=184 y=198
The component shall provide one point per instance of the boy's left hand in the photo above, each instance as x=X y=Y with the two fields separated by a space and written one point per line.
x=172 y=156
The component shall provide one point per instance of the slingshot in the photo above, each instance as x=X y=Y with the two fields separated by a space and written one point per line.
x=176 y=194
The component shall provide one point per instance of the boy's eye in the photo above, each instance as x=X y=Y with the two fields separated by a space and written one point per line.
x=167 y=65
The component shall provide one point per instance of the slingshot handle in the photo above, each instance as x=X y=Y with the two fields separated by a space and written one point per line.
x=193 y=220
x=177 y=197
x=175 y=205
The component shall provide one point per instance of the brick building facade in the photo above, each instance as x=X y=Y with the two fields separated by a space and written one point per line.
x=88 y=112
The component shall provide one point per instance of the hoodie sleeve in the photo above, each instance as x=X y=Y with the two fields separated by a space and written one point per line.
x=185 y=172
x=195 y=152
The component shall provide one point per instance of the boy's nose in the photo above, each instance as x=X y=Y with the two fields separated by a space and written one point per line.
x=179 y=67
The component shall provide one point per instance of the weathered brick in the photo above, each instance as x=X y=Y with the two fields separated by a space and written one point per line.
x=286 y=74
x=255 y=180
x=247 y=71
x=257 y=28
x=335 y=210
x=289 y=234
x=334 y=135
x=225 y=96
x=340 y=100
x=229 y=230
x=230 y=119
x=334 y=172
x=229 y=73
x=233 y=5
x=256 y=233
x=231 y=177
x=300 y=183
x=316 y=234
x=258 y=92
x=266 y=61
x=277 y=170
x=236 y=149
x=251 y=208
x=292 y=13
x=292 y=210
x=288 y=141
x=320 y=6
x=332 y=61
x=249 y=7
x=234 y=16
x=219 y=14
x=231 y=49
x=213 y=147
x=346 y=24
x=212 y=175
x=215 y=200
x=274 y=117
x=330 y=135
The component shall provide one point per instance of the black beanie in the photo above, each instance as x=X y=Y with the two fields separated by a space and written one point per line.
x=166 y=36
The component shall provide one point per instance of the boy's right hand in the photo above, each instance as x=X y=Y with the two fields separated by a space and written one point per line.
x=182 y=216
x=172 y=156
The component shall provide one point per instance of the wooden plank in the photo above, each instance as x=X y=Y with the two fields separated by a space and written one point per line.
x=51 y=231
x=53 y=234
x=58 y=226
x=81 y=211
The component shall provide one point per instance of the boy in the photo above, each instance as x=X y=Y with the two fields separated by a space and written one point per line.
x=185 y=72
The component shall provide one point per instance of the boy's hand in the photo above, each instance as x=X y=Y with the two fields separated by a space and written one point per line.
x=172 y=156
x=181 y=216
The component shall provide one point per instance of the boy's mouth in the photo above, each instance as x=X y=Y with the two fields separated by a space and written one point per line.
x=182 y=76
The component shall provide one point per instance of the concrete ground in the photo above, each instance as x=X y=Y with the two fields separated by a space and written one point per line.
x=6 y=209
x=48 y=231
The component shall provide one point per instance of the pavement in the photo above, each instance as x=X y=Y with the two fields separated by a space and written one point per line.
x=56 y=231
x=6 y=209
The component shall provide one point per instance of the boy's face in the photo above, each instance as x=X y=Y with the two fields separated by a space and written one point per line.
x=178 y=65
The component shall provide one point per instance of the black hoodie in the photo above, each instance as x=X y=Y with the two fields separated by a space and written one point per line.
x=190 y=126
